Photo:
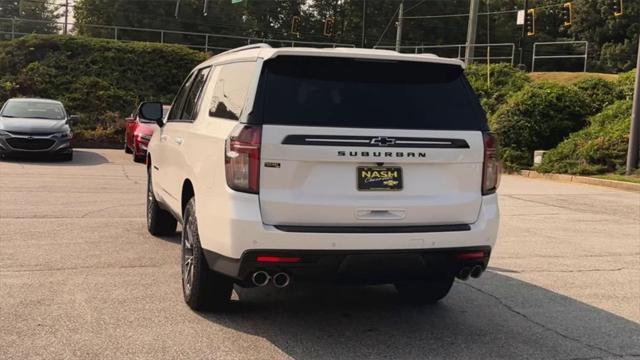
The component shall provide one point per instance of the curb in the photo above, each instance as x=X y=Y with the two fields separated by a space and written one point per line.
x=621 y=185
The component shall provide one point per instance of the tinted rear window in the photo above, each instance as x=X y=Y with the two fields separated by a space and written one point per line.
x=345 y=92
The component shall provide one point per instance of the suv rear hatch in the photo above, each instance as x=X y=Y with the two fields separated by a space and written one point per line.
x=359 y=142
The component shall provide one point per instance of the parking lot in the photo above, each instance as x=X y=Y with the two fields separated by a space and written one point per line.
x=81 y=277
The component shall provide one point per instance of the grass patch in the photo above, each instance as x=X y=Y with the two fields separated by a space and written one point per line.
x=626 y=178
x=568 y=78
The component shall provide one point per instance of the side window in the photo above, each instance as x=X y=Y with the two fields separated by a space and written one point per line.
x=230 y=90
x=178 y=102
x=192 y=102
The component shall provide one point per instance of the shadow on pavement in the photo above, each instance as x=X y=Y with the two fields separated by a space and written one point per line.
x=493 y=317
x=174 y=239
x=80 y=158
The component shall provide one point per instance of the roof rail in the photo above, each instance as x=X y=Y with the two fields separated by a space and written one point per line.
x=247 y=47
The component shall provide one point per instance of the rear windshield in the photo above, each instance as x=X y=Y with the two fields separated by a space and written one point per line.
x=347 y=92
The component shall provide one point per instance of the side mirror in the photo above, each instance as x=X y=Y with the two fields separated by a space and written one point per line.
x=152 y=111
x=73 y=119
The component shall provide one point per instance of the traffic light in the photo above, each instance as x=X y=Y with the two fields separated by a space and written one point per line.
x=296 y=21
x=566 y=14
x=617 y=7
x=328 y=26
x=530 y=22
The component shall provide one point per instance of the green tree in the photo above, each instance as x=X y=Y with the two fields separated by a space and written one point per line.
x=613 y=40
x=32 y=17
x=221 y=17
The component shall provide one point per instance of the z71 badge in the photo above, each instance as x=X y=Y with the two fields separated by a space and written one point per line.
x=379 y=178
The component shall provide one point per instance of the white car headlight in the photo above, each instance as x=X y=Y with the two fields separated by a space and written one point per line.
x=4 y=133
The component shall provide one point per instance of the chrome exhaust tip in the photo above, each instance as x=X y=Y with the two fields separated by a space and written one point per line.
x=476 y=271
x=281 y=280
x=464 y=273
x=260 y=278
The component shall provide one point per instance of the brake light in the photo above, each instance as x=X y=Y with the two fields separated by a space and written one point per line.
x=472 y=255
x=278 y=259
x=242 y=158
x=491 y=166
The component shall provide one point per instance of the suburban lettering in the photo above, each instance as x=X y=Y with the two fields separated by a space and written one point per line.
x=398 y=154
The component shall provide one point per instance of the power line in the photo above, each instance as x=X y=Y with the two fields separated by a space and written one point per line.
x=387 y=27
x=484 y=13
x=415 y=6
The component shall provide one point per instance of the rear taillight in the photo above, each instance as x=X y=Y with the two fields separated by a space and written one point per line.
x=242 y=158
x=278 y=259
x=491 y=166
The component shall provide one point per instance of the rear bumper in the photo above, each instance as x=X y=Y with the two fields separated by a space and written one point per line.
x=234 y=227
x=232 y=243
x=355 y=266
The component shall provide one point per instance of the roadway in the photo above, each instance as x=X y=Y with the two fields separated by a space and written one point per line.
x=80 y=277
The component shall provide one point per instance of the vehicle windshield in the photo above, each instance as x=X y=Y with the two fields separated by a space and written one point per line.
x=34 y=110
x=165 y=112
x=360 y=93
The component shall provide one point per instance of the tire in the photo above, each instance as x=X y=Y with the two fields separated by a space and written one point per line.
x=159 y=221
x=425 y=291
x=138 y=158
x=203 y=289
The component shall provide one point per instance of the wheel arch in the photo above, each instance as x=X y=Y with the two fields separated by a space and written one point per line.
x=187 y=193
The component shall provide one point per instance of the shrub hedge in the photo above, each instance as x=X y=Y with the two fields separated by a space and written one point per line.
x=537 y=117
x=599 y=148
x=97 y=79
x=504 y=80
x=625 y=83
x=598 y=93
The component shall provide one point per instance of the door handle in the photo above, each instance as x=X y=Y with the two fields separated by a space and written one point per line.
x=179 y=140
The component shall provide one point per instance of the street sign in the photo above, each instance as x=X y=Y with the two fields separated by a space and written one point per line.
x=520 y=18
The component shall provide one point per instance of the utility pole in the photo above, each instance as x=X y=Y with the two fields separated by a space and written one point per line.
x=66 y=16
x=523 y=36
x=399 y=29
x=178 y=8
x=634 y=132
x=205 y=8
x=364 y=18
x=471 y=31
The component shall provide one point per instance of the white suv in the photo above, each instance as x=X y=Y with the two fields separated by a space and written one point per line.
x=345 y=165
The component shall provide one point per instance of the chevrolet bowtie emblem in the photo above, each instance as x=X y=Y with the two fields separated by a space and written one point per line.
x=383 y=141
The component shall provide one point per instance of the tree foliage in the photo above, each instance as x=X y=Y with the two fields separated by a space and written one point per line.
x=613 y=40
x=42 y=17
x=93 y=77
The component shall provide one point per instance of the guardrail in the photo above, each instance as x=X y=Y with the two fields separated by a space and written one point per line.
x=205 y=41
x=460 y=49
x=562 y=56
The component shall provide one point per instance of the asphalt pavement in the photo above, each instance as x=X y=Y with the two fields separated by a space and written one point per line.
x=80 y=277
